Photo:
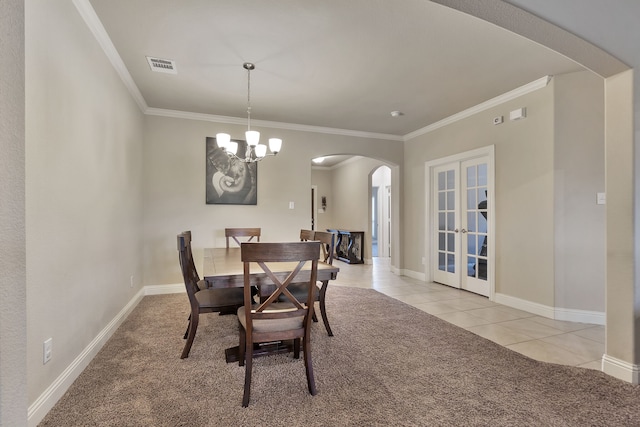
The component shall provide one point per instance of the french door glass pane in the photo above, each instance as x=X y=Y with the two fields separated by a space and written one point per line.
x=451 y=200
x=471 y=176
x=451 y=179
x=441 y=181
x=471 y=197
x=451 y=221
x=471 y=245
x=446 y=220
x=471 y=221
x=476 y=179
x=482 y=175
x=451 y=265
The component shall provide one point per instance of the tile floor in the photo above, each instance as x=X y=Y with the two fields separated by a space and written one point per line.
x=566 y=343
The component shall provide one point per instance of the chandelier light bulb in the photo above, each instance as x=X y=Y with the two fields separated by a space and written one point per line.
x=275 y=144
x=232 y=147
x=261 y=150
x=223 y=139
x=253 y=137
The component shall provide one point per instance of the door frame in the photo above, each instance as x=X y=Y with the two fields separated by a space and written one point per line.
x=314 y=207
x=430 y=221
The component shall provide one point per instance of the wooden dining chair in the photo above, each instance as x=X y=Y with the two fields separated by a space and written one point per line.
x=272 y=319
x=306 y=235
x=234 y=233
x=201 y=298
x=327 y=241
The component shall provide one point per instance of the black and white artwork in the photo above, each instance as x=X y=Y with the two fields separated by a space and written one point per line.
x=230 y=181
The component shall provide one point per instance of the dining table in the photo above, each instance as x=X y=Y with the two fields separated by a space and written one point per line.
x=223 y=268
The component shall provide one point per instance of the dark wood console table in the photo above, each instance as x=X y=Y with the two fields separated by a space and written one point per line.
x=349 y=245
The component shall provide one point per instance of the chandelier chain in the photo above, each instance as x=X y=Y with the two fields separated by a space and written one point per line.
x=248 y=67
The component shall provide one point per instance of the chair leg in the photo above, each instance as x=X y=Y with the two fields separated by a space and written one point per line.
x=309 y=365
x=323 y=310
x=247 y=376
x=193 y=327
x=186 y=333
x=296 y=348
x=242 y=344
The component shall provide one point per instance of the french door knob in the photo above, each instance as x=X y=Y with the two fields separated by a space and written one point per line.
x=464 y=231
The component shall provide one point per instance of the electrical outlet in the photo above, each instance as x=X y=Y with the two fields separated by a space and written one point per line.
x=131 y=282
x=46 y=350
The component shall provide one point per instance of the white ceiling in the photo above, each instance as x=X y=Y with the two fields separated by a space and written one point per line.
x=333 y=63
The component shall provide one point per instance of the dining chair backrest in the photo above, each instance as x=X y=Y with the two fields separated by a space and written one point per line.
x=272 y=319
x=234 y=233
x=188 y=266
x=202 y=299
x=328 y=241
x=306 y=235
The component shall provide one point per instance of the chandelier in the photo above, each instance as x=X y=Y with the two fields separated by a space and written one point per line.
x=255 y=151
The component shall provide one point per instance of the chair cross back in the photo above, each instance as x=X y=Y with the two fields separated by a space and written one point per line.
x=273 y=319
x=234 y=233
x=328 y=241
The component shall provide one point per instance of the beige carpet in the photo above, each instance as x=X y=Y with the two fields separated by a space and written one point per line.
x=388 y=364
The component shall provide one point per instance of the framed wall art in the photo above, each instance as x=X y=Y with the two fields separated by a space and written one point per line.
x=229 y=181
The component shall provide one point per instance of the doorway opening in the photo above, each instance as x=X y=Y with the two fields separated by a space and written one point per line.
x=381 y=212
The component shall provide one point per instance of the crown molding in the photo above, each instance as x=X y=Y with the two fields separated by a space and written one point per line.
x=268 y=124
x=89 y=16
x=500 y=99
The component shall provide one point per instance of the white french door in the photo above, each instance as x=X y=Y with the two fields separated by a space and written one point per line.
x=461 y=250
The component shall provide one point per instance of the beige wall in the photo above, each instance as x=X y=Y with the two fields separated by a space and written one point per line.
x=579 y=227
x=526 y=179
x=174 y=188
x=83 y=189
x=322 y=178
x=13 y=375
x=524 y=191
x=622 y=326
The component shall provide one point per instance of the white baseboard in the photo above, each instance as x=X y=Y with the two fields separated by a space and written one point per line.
x=164 y=289
x=620 y=369
x=581 y=316
x=569 y=315
x=413 y=274
x=43 y=404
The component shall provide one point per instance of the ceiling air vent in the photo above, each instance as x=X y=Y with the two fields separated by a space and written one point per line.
x=162 y=65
